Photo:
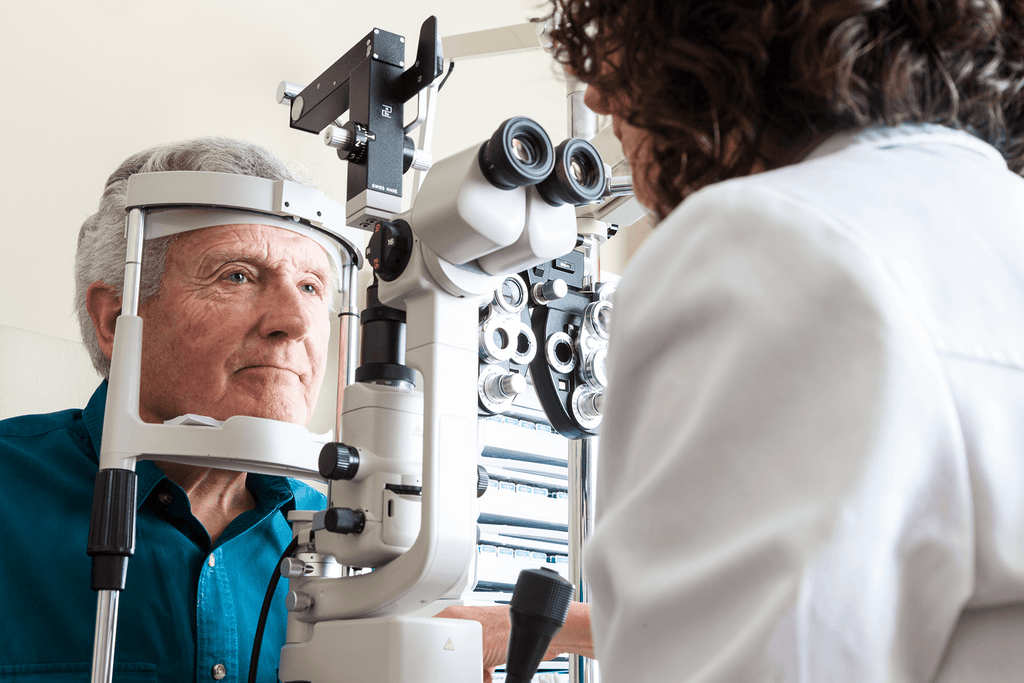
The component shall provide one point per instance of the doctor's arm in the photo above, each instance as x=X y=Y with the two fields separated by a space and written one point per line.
x=573 y=638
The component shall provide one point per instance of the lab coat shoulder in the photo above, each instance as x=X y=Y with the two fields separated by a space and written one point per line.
x=762 y=365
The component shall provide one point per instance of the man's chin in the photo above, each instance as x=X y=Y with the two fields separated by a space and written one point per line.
x=280 y=396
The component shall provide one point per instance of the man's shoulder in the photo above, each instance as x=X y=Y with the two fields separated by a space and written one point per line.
x=49 y=452
x=34 y=426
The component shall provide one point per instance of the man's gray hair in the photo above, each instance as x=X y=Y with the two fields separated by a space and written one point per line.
x=101 y=241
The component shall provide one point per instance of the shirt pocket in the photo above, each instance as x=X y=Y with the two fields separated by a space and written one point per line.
x=75 y=672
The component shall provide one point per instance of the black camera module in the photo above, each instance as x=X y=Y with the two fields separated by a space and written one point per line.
x=518 y=154
x=578 y=177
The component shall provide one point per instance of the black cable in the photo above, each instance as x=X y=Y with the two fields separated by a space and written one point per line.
x=257 y=640
x=451 y=67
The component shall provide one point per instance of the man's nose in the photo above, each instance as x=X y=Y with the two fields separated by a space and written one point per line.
x=286 y=313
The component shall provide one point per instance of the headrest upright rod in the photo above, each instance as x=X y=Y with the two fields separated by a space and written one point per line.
x=135 y=232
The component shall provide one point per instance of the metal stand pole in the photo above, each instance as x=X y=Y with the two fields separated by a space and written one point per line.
x=348 y=350
x=583 y=454
x=107 y=599
x=106 y=633
x=348 y=337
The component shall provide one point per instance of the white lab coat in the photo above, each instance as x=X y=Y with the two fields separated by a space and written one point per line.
x=812 y=460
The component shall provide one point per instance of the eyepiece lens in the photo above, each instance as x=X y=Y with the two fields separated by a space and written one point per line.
x=576 y=168
x=522 y=150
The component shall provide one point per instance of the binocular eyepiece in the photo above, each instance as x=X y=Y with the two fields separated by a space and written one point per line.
x=578 y=177
x=520 y=153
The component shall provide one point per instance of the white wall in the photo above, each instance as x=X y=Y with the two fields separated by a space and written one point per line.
x=89 y=82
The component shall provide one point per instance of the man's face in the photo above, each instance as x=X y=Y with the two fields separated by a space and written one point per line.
x=239 y=327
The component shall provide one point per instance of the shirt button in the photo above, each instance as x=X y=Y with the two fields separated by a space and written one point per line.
x=218 y=671
x=212 y=562
x=166 y=498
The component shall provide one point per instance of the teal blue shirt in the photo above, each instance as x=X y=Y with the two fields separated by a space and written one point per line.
x=188 y=605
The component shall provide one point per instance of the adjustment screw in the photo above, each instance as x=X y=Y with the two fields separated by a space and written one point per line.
x=293 y=568
x=298 y=602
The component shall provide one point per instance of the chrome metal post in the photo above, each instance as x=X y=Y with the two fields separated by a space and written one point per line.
x=592 y=253
x=348 y=337
x=621 y=185
x=582 y=121
x=135 y=233
x=106 y=632
x=583 y=454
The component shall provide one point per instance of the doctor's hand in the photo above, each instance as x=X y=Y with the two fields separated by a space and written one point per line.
x=574 y=638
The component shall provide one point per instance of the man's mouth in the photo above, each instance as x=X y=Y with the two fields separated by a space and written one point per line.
x=271 y=367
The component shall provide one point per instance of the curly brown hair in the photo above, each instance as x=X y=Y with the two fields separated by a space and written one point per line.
x=722 y=86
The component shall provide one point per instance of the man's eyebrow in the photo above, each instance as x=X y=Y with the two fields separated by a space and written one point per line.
x=224 y=257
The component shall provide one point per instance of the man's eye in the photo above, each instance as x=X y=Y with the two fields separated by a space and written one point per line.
x=308 y=289
x=237 y=278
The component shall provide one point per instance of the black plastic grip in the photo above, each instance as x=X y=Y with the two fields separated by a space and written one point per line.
x=538 y=609
x=344 y=521
x=112 y=528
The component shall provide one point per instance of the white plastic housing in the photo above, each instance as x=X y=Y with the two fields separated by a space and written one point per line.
x=384 y=650
x=550 y=232
x=387 y=424
x=442 y=345
x=460 y=216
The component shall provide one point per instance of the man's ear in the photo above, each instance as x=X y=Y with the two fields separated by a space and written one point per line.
x=104 y=305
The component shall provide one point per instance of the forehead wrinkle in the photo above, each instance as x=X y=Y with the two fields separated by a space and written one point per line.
x=263 y=260
x=252 y=243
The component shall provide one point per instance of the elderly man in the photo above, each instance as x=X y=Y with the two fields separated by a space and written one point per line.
x=236 y=323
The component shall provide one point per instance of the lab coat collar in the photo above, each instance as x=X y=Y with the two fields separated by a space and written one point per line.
x=905 y=135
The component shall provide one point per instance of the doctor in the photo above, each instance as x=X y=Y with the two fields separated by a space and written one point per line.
x=813 y=454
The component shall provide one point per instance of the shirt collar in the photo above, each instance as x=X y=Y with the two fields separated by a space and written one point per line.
x=905 y=135
x=270 y=492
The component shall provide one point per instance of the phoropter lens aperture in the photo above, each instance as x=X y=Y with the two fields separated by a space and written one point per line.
x=578 y=177
x=518 y=154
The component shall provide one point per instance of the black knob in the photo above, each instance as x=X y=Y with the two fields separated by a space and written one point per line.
x=355 y=151
x=338 y=461
x=482 y=480
x=389 y=248
x=538 y=609
x=344 y=521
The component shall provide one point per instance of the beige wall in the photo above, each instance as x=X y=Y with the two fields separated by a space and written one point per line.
x=89 y=82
